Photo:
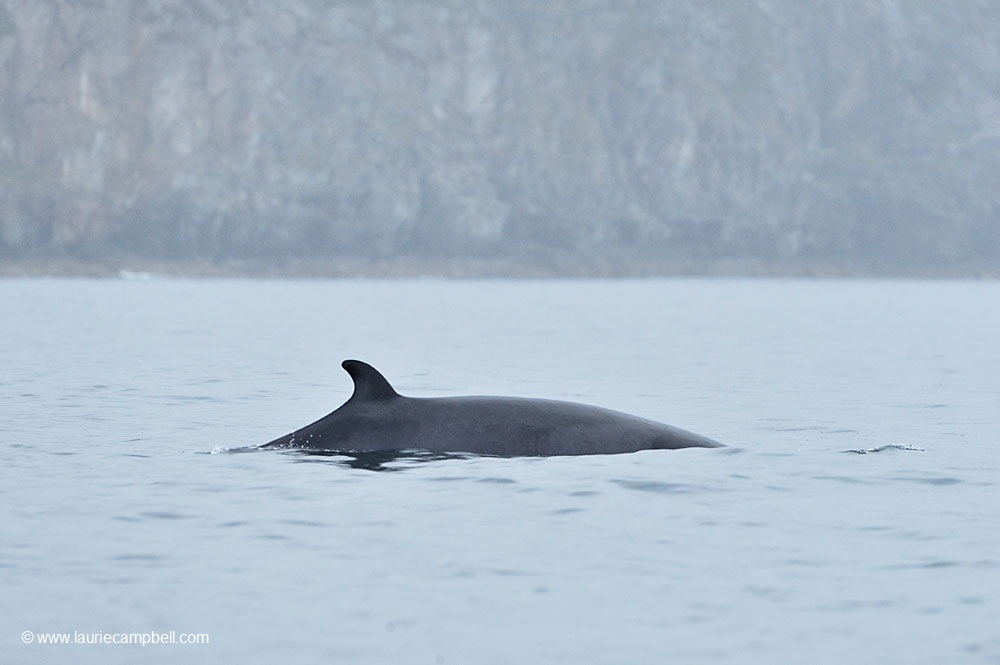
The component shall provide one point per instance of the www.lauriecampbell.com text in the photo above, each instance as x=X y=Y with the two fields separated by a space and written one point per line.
x=148 y=638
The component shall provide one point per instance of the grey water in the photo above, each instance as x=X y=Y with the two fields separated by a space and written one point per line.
x=854 y=515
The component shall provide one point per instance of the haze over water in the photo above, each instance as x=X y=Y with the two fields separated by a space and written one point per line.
x=781 y=547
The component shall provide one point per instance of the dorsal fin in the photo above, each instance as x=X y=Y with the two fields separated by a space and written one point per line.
x=368 y=383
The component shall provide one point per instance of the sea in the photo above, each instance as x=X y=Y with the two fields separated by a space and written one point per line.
x=853 y=516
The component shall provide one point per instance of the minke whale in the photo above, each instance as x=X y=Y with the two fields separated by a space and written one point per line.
x=377 y=418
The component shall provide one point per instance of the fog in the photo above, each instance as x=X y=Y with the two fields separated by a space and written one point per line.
x=448 y=137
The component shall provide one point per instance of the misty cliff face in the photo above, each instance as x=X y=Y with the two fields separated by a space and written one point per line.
x=218 y=128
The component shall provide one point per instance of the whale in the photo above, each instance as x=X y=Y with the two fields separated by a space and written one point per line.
x=377 y=418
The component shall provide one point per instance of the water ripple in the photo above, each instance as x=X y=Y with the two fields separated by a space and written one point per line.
x=930 y=481
x=162 y=515
x=653 y=486
x=844 y=479
x=138 y=557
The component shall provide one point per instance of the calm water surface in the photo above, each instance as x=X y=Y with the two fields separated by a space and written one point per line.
x=781 y=548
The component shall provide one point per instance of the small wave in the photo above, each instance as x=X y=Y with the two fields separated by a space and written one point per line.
x=879 y=449
x=222 y=450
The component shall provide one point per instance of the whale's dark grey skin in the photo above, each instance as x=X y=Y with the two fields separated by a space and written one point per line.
x=376 y=418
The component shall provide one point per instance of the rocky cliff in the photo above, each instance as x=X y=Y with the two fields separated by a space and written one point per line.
x=856 y=131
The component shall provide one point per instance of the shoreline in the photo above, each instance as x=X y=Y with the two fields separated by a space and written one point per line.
x=555 y=267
